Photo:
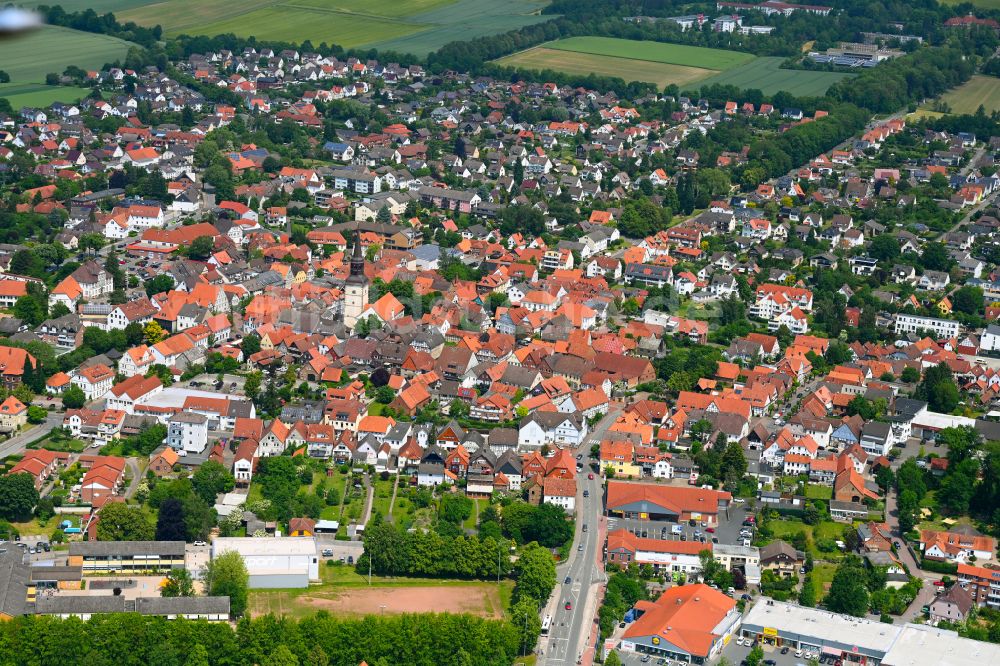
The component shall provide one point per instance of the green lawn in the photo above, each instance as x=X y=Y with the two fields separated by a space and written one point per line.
x=818 y=491
x=473 y=519
x=59 y=444
x=673 y=54
x=822 y=576
x=785 y=529
x=30 y=57
x=383 y=496
x=766 y=75
x=40 y=95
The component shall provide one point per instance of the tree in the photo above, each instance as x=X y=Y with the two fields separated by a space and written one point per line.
x=536 y=574
x=250 y=345
x=201 y=248
x=18 y=497
x=884 y=247
x=848 y=593
x=37 y=414
x=74 y=397
x=226 y=576
x=121 y=522
x=935 y=257
x=907 y=507
x=807 y=595
x=282 y=656
x=734 y=464
x=968 y=299
x=178 y=584
x=612 y=659
x=159 y=284
x=526 y=621
x=756 y=655
x=910 y=375
x=170 y=524
x=938 y=389
x=152 y=332
x=210 y=479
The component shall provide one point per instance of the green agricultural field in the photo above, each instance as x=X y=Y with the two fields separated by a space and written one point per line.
x=766 y=75
x=984 y=4
x=40 y=95
x=573 y=62
x=415 y=26
x=30 y=57
x=979 y=90
x=99 y=6
x=653 y=62
x=671 y=54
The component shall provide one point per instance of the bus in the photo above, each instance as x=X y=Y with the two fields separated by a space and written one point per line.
x=546 y=623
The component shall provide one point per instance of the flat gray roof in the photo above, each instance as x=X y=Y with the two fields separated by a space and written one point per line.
x=79 y=604
x=822 y=628
x=182 y=605
x=920 y=644
x=126 y=548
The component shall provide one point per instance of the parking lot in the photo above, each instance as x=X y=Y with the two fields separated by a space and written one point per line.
x=773 y=656
x=727 y=531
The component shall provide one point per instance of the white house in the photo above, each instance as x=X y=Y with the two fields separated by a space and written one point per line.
x=187 y=432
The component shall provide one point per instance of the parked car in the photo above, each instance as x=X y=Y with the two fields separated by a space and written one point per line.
x=327 y=552
x=199 y=543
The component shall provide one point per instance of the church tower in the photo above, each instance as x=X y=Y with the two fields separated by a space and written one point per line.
x=356 y=287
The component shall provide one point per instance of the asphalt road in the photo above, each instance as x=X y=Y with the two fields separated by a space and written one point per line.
x=17 y=443
x=571 y=628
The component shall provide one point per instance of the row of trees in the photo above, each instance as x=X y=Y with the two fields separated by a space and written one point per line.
x=320 y=640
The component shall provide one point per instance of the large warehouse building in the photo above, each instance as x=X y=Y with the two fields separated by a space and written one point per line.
x=274 y=562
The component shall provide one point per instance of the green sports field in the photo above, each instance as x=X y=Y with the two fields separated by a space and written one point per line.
x=414 y=26
x=766 y=75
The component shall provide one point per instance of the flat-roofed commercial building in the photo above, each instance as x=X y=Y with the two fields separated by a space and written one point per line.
x=863 y=642
x=274 y=562
x=126 y=556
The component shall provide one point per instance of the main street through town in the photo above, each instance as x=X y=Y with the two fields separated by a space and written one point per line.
x=572 y=630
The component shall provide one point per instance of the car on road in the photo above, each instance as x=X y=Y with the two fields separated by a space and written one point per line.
x=739 y=500
x=580 y=547
x=579 y=456
x=569 y=605
x=568 y=580
x=585 y=527
x=586 y=493
x=591 y=476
